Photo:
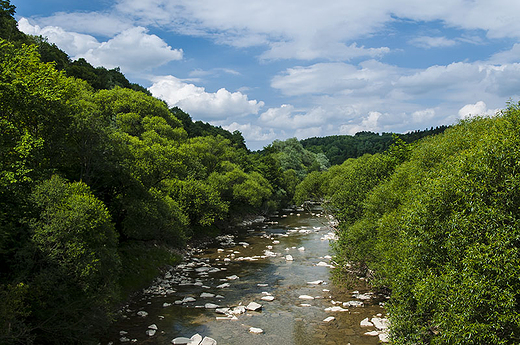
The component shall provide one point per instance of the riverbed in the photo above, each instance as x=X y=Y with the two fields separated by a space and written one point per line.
x=283 y=264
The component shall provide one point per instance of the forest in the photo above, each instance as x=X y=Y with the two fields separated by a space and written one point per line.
x=102 y=184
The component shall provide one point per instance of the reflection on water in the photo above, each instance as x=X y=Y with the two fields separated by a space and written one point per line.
x=262 y=268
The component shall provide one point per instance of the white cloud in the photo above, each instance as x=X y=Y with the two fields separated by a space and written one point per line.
x=477 y=109
x=133 y=49
x=432 y=42
x=201 y=104
x=288 y=117
x=94 y=23
x=251 y=132
x=71 y=42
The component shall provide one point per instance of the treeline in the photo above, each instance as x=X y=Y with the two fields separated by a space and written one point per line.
x=339 y=148
x=98 y=185
x=437 y=223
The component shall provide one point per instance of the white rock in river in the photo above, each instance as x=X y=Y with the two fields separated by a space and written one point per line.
x=150 y=332
x=353 y=304
x=253 y=306
x=268 y=298
x=211 y=306
x=316 y=282
x=335 y=309
x=153 y=326
x=329 y=319
x=195 y=339
x=142 y=313
x=306 y=297
x=366 y=323
x=372 y=333
x=207 y=295
x=223 y=310
x=222 y=286
x=166 y=304
x=208 y=341
x=124 y=339
x=380 y=323
x=187 y=299
x=181 y=341
x=256 y=330
x=233 y=277
x=238 y=310
x=383 y=337
x=289 y=257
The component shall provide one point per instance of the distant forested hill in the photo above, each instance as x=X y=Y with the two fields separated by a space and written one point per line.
x=339 y=148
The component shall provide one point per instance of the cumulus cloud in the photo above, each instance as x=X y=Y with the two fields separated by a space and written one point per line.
x=477 y=109
x=205 y=105
x=251 y=132
x=134 y=50
x=71 y=42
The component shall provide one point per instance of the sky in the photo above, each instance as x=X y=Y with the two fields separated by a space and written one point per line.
x=276 y=69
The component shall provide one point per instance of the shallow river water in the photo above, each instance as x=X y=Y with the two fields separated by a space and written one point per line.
x=243 y=269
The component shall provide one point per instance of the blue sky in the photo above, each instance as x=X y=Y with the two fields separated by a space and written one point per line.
x=300 y=68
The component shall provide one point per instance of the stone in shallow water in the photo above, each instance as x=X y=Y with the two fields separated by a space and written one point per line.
x=142 y=313
x=335 y=309
x=289 y=257
x=195 y=339
x=366 y=323
x=253 y=306
x=316 y=282
x=222 y=286
x=223 y=310
x=208 y=341
x=306 y=297
x=150 y=332
x=211 y=306
x=353 y=304
x=153 y=326
x=372 y=333
x=268 y=298
x=207 y=295
x=233 y=277
x=380 y=323
x=181 y=341
x=329 y=319
x=256 y=330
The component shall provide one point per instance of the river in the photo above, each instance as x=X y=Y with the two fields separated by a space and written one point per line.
x=255 y=264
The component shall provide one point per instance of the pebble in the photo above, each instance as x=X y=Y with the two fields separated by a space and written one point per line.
x=255 y=330
x=329 y=319
x=366 y=323
x=306 y=297
x=289 y=257
x=253 y=306
x=268 y=298
x=142 y=313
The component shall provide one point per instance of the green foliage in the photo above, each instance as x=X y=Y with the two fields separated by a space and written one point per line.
x=440 y=230
x=76 y=246
x=339 y=148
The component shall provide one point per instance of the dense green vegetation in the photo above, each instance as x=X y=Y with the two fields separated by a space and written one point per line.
x=437 y=223
x=339 y=148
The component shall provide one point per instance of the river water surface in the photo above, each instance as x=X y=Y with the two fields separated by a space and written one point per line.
x=243 y=269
